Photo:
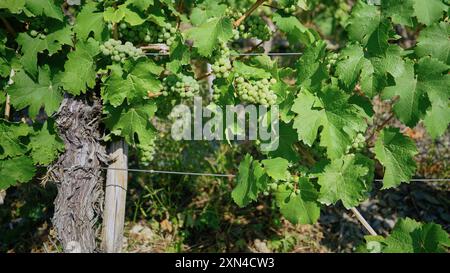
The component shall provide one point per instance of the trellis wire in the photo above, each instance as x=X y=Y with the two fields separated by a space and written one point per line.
x=273 y=54
x=150 y=171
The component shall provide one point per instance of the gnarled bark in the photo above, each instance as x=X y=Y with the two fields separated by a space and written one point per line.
x=78 y=174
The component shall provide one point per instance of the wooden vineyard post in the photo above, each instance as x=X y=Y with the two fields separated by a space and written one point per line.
x=115 y=198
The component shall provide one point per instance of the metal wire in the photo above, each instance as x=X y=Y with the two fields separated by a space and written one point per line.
x=274 y=54
x=133 y=170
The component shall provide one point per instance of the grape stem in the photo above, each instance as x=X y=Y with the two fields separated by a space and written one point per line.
x=239 y=21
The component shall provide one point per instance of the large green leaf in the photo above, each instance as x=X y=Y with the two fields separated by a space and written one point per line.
x=80 y=68
x=433 y=78
x=10 y=139
x=45 y=7
x=396 y=153
x=89 y=20
x=15 y=6
x=300 y=208
x=410 y=236
x=429 y=11
x=16 y=170
x=434 y=41
x=340 y=121
x=133 y=86
x=60 y=34
x=345 y=179
x=208 y=35
x=251 y=181
x=411 y=97
x=133 y=122
x=44 y=93
x=45 y=144
x=277 y=168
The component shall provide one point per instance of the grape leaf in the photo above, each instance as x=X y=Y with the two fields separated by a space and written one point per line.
x=133 y=86
x=10 y=143
x=205 y=10
x=250 y=181
x=114 y=15
x=277 y=168
x=396 y=153
x=350 y=65
x=209 y=34
x=340 y=120
x=89 y=21
x=302 y=208
x=80 y=68
x=344 y=179
x=294 y=30
x=286 y=138
x=45 y=7
x=434 y=41
x=367 y=26
x=31 y=47
x=44 y=93
x=14 y=6
x=375 y=69
x=411 y=99
x=430 y=238
x=132 y=18
x=133 y=122
x=250 y=71
x=311 y=69
x=400 y=11
x=410 y=236
x=428 y=12
x=45 y=144
x=141 y=4
x=431 y=79
x=10 y=174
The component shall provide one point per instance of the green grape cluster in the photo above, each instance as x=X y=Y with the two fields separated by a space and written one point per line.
x=234 y=15
x=185 y=86
x=256 y=27
x=120 y=52
x=222 y=65
x=358 y=144
x=331 y=60
x=256 y=91
x=147 y=152
x=143 y=33
x=167 y=34
x=273 y=186
x=253 y=27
